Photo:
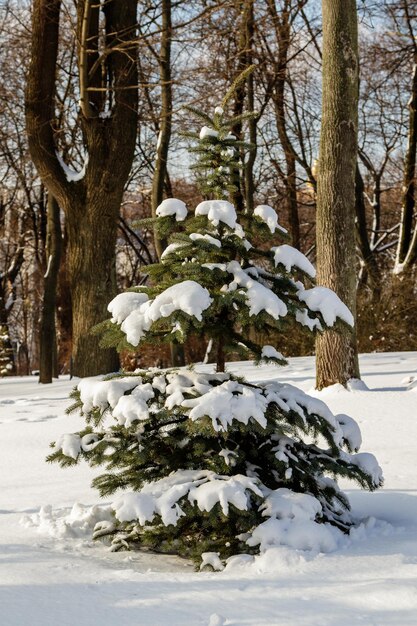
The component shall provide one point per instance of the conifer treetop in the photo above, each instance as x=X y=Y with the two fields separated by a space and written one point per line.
x=219 y=152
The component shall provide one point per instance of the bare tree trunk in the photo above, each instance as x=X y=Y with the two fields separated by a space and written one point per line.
x=407 y=244
x=160 y=173
x=92 y=277
x=243 y=10
x=282 y=26
x=48 y=346
x=337 y=359
x=250 y=163
x=367 y=254
x=91 y=202
x=292 y=201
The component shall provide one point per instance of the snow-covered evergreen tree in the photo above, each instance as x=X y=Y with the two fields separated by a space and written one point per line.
x=6 y=353
x=207 y=462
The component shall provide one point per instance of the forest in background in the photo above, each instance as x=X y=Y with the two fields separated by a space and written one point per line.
x=188 y=53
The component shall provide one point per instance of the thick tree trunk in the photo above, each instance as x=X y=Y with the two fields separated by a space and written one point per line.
x=91 y=202
x=337 y=359
x=48 y=345
x=91 y=265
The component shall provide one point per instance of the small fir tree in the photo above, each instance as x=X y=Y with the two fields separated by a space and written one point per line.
x=6 y=353
x=207 y=462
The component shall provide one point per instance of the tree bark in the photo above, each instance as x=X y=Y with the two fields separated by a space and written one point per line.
x=367 y=253
x=48 y=346
x=160 y=173
x=337 y=359
x=252 y=123
x=282 y=27
x=407 y=244
x=220 y=356
x=91 y=266
x=177 y=354
x=243 y=11
x=91 y=201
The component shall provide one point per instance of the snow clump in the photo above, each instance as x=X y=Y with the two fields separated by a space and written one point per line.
x=290 y=257
x=269 y=352
x=172 y=206
x=208 y=132
x=268 y=215
x=218 y=211
x=187 y=296
x=122 y=305
x=327 y=303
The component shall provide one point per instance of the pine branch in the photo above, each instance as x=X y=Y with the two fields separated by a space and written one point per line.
x=200 y=114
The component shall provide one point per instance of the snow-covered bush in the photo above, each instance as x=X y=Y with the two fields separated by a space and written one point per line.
x=208 y=463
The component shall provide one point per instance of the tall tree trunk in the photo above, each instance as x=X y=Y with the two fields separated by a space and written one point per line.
x=48 y=344
x=252 y=123
x=243 y=10
x=282 y=27
x=91 y=201
x=292 y=201
x=407 y=244
x=160 y=173
x=64 y=308
x=337 y=359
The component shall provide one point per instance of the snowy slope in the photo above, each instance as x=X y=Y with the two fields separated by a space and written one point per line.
x=53 y=574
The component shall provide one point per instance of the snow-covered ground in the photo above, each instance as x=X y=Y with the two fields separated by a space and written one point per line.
x=51 y=573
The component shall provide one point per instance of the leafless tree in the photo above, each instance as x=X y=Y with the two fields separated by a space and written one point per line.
x=107 y=71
